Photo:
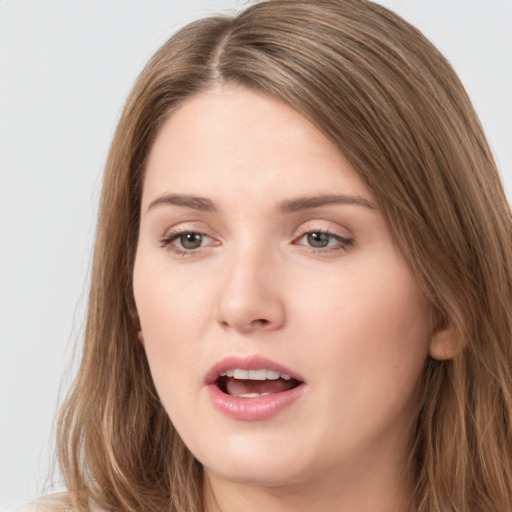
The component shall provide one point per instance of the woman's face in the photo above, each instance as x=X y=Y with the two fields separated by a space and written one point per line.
x=284 y=331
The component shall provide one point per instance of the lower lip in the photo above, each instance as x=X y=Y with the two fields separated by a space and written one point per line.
x=253 y=409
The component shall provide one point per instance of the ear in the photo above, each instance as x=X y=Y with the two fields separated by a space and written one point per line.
x=140 y=337
x=443 y=344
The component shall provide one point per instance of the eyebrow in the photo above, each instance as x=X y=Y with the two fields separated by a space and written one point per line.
x=311 y=202
x=193 y=202
x=287 y=206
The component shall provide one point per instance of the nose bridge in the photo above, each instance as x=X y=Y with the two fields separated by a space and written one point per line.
x=249 y=295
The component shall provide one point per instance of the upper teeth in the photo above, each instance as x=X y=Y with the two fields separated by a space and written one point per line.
x=262 y=374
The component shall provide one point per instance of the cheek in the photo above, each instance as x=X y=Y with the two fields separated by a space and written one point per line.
x=173 y=310
x=170 y=320
x=368 y=328
x=367 y=343
x=169 y=300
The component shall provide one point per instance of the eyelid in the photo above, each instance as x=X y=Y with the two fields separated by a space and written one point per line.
x=184 y=226
x=173 y=234
x=325 y=227
x=322 y=225
x=342 y=242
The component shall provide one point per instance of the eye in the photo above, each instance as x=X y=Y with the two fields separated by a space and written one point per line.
x=324 y=241
x=190 y=241
x=184 y=242
x=318 y=240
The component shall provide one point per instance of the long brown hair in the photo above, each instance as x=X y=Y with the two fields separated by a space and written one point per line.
x=395 y=108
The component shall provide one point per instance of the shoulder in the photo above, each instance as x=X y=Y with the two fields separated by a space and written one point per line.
x=53 y=503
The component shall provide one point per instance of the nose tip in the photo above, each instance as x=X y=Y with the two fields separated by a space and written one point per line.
x=250 y=300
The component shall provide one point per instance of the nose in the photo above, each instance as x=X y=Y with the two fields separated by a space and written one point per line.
x=250 y=297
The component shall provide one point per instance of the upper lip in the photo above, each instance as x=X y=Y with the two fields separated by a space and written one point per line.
x=254 y=362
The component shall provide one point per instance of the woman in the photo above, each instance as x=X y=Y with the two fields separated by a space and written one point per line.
x=300 y=296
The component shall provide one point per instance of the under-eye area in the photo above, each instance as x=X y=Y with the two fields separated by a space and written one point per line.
x=254 y=383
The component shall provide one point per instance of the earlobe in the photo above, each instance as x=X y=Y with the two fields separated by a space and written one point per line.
x=140 y=337
x=443 y=345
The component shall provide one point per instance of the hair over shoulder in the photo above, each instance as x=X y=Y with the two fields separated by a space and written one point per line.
x=61 y=502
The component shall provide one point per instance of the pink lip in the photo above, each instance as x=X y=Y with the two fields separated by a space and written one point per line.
x=247 y=363
x=251 y=409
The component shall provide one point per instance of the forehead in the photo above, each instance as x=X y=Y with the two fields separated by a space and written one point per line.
x=232 y=141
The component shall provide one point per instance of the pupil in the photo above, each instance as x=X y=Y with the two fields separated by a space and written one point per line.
x=191 y=240
x=318 y=239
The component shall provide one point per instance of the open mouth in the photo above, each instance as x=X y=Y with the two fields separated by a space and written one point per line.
x=242 y=383
x=252 y=388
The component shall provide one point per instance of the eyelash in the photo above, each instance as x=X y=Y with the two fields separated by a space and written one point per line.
x=342 y=243
x=168 y=240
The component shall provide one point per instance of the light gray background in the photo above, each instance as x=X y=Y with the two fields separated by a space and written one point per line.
x=65 y=69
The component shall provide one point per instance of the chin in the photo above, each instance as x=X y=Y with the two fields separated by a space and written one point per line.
x=257 y=474
x=257 y=463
